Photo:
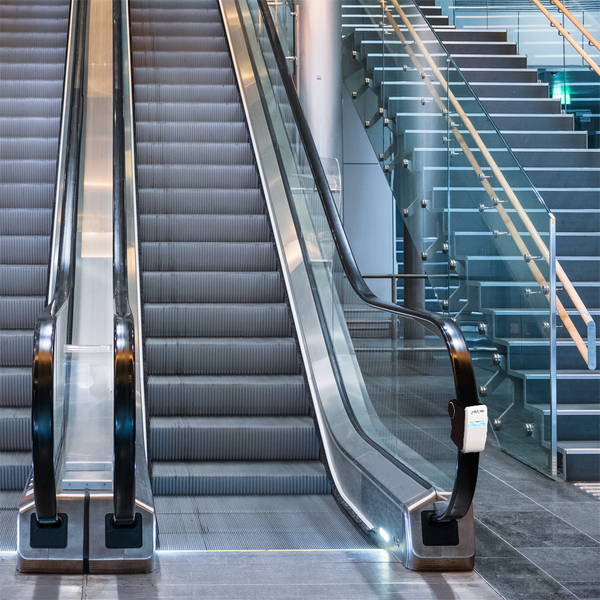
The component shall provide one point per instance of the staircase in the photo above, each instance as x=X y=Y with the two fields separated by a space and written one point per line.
x=33 y=42
x=508 y=346
x=234 y=449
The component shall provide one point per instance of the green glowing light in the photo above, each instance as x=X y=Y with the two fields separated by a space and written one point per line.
x=559 y=90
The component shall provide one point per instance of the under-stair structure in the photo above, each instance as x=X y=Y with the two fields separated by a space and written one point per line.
x=231 y=434
x=462 y=237
x=33 y=39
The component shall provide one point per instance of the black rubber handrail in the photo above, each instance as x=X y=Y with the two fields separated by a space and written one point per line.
x=124 y=327
x=462 y=366
x=42 y=401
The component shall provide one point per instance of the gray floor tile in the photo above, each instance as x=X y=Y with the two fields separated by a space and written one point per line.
x=519 y=579
x=489 y=545
x=563 y=563
x=535 y=530
x=584 y=591
x=585 y=516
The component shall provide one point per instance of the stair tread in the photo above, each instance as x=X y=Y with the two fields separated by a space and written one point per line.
x=569 y=409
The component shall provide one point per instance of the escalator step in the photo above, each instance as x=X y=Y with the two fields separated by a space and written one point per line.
x=217 y=43
x=29 y=126
x=40 y=55
x=15 y=468
x=16 y=348
x=16 y=72
x=33 y=40
x=179 y=4
x=195 y=154
x=190 y=132
x=24 y=249
x=27 y=107
x=26 y=221
x=30 y=89
x=18 y=312
x=28 y=171
x=26 y=195
x=23 y=11
x=213 y=320
x=221 y=356
x=206 y=256
x=209 y=13
x=159 y=29
x=243 y=395
x=184 y=76
x=235 y=478
x=28 y=148
x=213 y=59
x=212 y=287
x=204 y=228
x=15 y=429
x=15 y=386
x=192 y=93
x=185 y=110
x=28 y=25
x=198 y=176
x=208 y=201
x=233 y=438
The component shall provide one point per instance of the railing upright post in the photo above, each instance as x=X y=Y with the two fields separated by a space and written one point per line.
x=553 y=408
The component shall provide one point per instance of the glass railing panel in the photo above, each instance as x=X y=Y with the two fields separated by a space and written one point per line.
x=478 y=224
x=395 y=371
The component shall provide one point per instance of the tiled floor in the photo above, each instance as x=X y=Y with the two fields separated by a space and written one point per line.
x=537 y=539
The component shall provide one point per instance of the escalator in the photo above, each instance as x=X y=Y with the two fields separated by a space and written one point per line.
x=230 y=424
x=220 y=292
x=33 y=45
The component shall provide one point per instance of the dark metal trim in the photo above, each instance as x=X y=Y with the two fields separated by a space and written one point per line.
x=42 y=400
x=124 y=327
x=462 y=367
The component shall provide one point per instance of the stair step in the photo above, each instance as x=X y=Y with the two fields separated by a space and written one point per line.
x=233 y=438
x=205 y=228
x=569 y=410
x=198 y=176
x=15 y=468
x=242 y=395
x=581 y=460
x=237 y=478
x=215 y=59
x=16 y=348
x=195 y=154
x=15 y=387
x=18 y=312
x=212 y=287
x=221 y=356
x=187 y=111
x=192 y=93
x=25 y=280
x=15 y=429
x=191 y=132
x=24 y=249
x=216 y=320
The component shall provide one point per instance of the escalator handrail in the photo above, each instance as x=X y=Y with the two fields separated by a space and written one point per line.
x=42 y=400
x=462 y=366
x=124 y=327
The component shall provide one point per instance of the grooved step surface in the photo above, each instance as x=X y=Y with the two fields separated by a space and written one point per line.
x=251 y=395
x=33 y=37
x=233 y=438
x=212 y=320
x=221 y=356
x=236 y=478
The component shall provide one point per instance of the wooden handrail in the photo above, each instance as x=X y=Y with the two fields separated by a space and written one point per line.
x=575 y=22
x=567 y=285
x=566 y=34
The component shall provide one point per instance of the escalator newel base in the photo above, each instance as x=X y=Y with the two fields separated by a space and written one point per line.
x=49 y=536
x=123 y=536
x=438 y=533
